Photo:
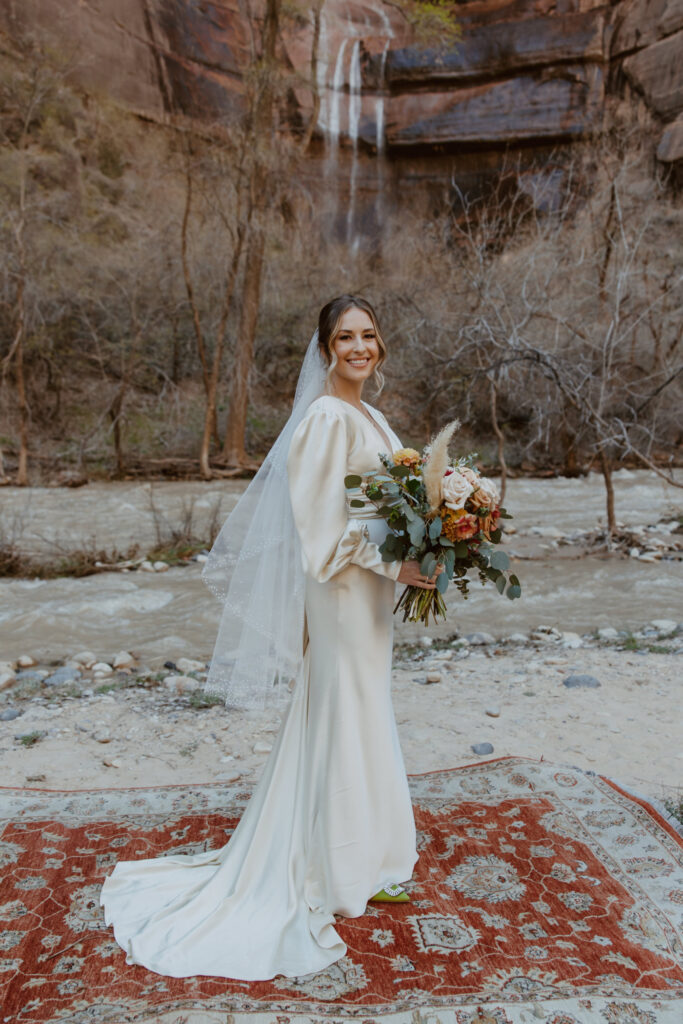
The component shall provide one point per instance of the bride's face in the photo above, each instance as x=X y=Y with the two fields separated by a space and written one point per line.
x=356 y=346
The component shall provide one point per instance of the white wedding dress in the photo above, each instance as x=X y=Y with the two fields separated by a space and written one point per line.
x=330 y=821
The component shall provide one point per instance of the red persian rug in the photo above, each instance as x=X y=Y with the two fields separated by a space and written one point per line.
x=543 y=895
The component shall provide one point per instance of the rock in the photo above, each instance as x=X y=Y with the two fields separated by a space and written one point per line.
x=182 y=684
x=36 y=778
x=124 y=660
x=160 y=566
x=188 y=665
x=87 y=693
x=102 y=736
x=426 y=641
x=110 y=763
x=571 y=640
x=201 y=558
x=261 y=747
x=62 y=675
x=657 y=73
x=670 y=148
x=664 y=626
x=85 y=658
x=608 y=633
x=433 y=677
x=26 y=661
x=7 y=666
x=482 y=748
x=172 y=665
x=493 y=712
x=479 y=639
x=7 y=679
x=147 y=566
x=589 y=682
x=516 y=638
x=9 y=714
x=102 y=668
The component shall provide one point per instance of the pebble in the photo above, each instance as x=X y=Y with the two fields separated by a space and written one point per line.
x=664 y=625
x=608 y=633
x=124 y=660
x=147 y=566
x=7 y=679
x=63 y=675
x=188 y=665
x=102 y=737
x=85 y=658
x=573 y=682
x=482 y=748
x=516 y=638
x=261 y=747
x=7 y=666
x=160 y=566
x=9 y=714
x=493 y=712
x=572 y=640
x=110 y=763
x=26 y=661
x=479 y=639
x=182 y=684
x=433 y=677
x=102 y=668
x=426 y=641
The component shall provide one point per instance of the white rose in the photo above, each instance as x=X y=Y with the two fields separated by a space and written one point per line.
x=455 y=490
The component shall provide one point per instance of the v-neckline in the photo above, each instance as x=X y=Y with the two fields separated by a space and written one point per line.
x=376 y=425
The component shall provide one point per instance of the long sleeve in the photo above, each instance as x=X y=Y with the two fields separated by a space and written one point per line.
x=316 y=467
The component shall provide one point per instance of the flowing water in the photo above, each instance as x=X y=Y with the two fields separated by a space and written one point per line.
x=164 y=615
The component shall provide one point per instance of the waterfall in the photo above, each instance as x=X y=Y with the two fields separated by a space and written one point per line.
x=379 y=102
x=354 y=121
x=321 y=74
x=335 y=99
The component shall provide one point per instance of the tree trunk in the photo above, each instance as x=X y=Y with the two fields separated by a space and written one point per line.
x=234 y=449
x=501 y=440
x=263 y=129
x=606 y=469
x=210 y=417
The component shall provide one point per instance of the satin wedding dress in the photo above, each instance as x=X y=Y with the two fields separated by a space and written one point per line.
x=330 y=821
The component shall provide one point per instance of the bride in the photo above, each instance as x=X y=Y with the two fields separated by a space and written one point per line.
x=307 y=626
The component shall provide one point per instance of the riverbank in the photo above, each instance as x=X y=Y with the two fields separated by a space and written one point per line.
x=603 y=702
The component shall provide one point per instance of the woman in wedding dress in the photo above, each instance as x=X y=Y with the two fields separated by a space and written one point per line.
x=329 y=824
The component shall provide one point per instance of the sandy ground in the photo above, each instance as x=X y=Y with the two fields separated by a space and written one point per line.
x=509 y=695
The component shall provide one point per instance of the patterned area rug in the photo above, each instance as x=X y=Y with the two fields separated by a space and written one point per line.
x=543 y=895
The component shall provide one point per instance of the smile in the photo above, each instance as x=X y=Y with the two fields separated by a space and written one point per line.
x=359 y=362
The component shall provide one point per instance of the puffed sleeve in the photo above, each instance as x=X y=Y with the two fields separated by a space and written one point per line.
x=316 y=467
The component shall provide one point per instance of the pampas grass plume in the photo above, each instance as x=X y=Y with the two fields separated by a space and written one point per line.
x=438 y=463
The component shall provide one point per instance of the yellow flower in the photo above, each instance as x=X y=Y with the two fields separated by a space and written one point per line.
x=406 y=457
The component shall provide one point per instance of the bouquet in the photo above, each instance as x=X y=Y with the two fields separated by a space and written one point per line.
x=441 y=512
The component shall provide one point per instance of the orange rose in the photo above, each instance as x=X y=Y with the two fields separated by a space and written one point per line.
x=406 y=457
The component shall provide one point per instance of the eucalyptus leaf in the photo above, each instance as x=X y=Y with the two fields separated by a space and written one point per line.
x=499 y=560
x=500 y=584
x=513 y=591
x=461 y=549
x=353 y=480
x=416 y=531
x=357 y=503
x=435 y=528
x=442 y=581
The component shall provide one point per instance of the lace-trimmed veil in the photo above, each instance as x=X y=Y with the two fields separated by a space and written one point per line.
x=255 y=568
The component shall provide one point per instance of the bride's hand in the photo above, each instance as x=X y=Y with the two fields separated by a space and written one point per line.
x=411 y=575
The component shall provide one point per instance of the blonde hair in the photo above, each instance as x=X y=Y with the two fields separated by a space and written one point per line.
x=328 y=328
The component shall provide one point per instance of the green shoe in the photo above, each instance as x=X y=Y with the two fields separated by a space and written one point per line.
x=390 y=894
